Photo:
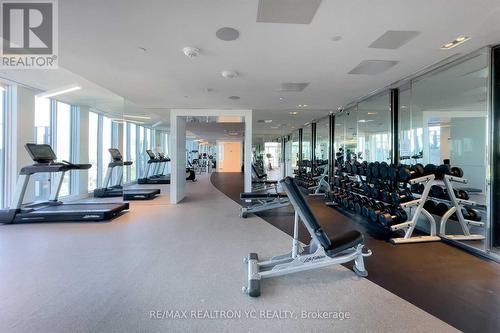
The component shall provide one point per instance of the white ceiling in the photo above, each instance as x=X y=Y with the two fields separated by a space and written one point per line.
x=100 y=41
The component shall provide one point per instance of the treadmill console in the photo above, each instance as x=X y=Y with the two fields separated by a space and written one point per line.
x=161 y=155
x=151 y=154
x=41 y=153
x=115 y=155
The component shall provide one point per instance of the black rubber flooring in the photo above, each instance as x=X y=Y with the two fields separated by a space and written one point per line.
x=447 y=282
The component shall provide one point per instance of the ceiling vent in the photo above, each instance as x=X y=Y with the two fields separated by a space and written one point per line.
x=287 y=11
x=393 y=39
x=227 y=34
x=373 y=67
x=293 y=86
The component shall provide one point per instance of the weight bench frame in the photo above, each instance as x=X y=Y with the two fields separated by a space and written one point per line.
x=261 y=203
x=301 y=258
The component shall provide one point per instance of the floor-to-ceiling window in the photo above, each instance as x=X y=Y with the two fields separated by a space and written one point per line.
x=339 y=138
x=93 y=152
x=351 y=148
x=132 y=152
x=41 y=181
x=107 y=142
x=63 y=142
x=322 y=139
x=294 y=158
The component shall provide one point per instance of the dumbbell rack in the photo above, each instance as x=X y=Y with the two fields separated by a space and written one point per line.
x=409 y=226
x=456 y=208
x=321 y=181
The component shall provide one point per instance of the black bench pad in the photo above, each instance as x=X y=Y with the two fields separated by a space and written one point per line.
x=344 y=241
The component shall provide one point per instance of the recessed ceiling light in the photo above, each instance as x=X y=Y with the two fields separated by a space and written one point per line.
x=336 y=38
x=281 y=98
x=454 y=43
x=364 y=121
x=229 y=74
x=234 y=97
x=267 y=121
x=371 y=113
x=294 y=113
x=227 y=34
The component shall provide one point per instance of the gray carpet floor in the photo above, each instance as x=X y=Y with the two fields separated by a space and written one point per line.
x=186 y=261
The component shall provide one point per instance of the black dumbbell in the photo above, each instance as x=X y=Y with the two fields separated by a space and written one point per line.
x=375 y=169
x=393 y=173
x=471 y=214
x=379 y=208
x=430 y=169
x=417 y=188
x=446 y=169
x=461 y=194
x=437 y=192
x=401 y=196
x=348 y=167
x=430 y=206
x=358 y=205
x=384 y=170
x=441 y=209
x=410 y=172
x=370 y=204
x=395 y=216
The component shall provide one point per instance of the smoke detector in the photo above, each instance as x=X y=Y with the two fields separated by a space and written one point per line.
x=229 y=74
x=191 y=52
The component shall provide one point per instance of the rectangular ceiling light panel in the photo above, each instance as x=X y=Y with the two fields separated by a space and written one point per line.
x=393 y=39
x=293 y=86
x=373 y=67
x=287 y=11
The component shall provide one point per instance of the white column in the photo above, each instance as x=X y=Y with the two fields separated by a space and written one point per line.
x=83 y=186
x=21 y=122
x=248 y=151
x=178 y=157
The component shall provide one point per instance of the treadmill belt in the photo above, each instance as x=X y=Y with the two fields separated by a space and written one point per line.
x=80 y=208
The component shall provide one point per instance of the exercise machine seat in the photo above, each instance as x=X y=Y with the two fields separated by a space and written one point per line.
x=344 y=241
x=252 y=195
x=332 y=246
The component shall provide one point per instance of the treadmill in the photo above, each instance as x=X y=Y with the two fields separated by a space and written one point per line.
x=54 y=210
x=153 y=174
x=117 y=190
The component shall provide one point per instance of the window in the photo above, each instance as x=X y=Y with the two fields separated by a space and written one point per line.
x=107 y=142
x=63 y=142
x=339 y=137
x=374 y=128
x=306 y=142
x=141 y=152
x=42 y=135
x=42 y=120
x=294 y=158
x=93 y=144
x=132 y=152
x=322 y=139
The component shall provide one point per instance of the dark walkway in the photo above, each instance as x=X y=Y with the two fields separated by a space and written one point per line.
x=451 y=284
